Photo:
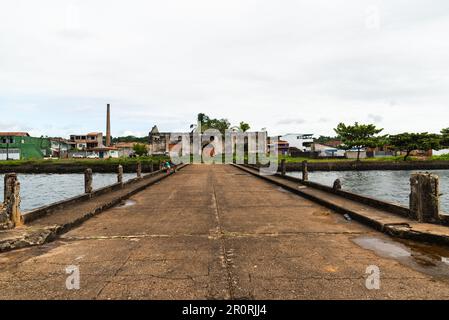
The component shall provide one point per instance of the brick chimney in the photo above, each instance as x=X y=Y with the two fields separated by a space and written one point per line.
x=108 y=126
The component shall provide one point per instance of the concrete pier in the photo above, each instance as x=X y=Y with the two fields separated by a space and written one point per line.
x=216 y=232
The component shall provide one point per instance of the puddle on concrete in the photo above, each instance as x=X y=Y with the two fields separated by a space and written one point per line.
x=426 y=258
x=126 y=203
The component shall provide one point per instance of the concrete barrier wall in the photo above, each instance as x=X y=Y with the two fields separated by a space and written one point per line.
x=48 y=209
x=372 y=202
x=375 y=203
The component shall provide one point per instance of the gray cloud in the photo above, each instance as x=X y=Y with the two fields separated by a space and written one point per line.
x=164 y=62
x=291 y=121
x=375 y=118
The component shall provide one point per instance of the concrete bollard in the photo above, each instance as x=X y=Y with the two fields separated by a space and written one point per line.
x=9 y=181
x=337 y=185
x=14 y=204
x=139 y=169
x=10 y=209
x=120 y=174
x=305 y=173
x=283 y=167
x=151 y=166
x=88 y=181
x=424 y=197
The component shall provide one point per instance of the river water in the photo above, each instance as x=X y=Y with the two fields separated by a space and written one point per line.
x=37 y=190
x=392 y=186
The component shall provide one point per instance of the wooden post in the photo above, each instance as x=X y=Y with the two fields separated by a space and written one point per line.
x=305 y=173
x=139 y=169
x=120 y=174
x=283 y=167
x=424 y=197
x=88 y=181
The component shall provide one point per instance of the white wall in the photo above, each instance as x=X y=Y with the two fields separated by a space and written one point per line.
x=14 y=155
x=296 y=142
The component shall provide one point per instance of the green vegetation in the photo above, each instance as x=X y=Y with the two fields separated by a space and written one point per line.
x=140 y=149
x=244 y=126
x=130 y=139
x=359 y=136
x=325 y=139
x=445 y=138
x=218 y=124
x=291 y=159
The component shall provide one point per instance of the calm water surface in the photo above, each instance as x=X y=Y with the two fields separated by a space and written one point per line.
x=392 y=186
x=37 y=190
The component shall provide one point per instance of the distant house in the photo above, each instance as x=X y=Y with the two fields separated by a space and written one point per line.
x=20 y=145
x=301 y=141
x=352 y=153
x=59 y=147
x=87 y=142
x=281 y=146
x=379 y=152
x=105 y=152
x=325 y=151
x=125 y=149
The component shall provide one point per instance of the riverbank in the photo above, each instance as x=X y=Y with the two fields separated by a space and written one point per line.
x=79 y=165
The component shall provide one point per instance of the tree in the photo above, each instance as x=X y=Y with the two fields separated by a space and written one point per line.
x=140 y=149
x=209 y=123
x=324 y=139
x=409 y=142
x=445 y=137
x=359 y=136
x=130 y=139
x=244 y=126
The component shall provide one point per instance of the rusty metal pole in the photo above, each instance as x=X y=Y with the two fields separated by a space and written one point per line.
x=305 y=172
x=424 y=197
x=88 y=181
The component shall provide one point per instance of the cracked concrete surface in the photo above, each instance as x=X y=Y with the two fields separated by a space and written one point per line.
x=211 y=232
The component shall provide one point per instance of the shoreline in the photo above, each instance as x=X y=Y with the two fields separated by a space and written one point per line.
x=105 y=166
x=78 y=167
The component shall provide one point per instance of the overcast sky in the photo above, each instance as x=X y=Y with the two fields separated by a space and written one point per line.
x=286 y=65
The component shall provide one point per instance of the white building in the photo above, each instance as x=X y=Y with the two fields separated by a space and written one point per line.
x=300 y=141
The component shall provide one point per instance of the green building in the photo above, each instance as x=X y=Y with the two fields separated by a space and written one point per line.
x=20 y=146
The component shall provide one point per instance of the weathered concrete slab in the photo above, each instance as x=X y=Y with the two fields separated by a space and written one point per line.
x=235 y=241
